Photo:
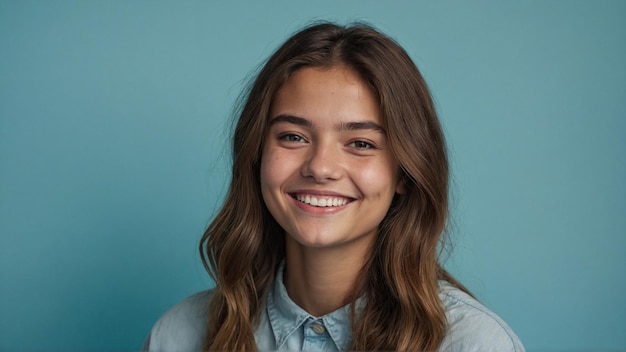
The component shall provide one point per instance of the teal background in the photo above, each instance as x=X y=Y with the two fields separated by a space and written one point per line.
x=114 y=156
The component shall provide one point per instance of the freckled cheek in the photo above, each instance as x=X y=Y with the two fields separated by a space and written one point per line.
x=276 y=168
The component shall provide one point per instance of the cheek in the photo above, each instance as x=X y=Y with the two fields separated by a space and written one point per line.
x=266 y=170
x=378 y=179
x=275 y=169
x=268 y=182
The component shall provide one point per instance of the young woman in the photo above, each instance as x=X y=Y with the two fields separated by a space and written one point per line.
x=328 y=238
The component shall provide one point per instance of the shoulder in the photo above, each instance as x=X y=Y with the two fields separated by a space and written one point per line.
x=182 y=327
x=472 y=326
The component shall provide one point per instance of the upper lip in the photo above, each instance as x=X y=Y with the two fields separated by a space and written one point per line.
x=320 y=193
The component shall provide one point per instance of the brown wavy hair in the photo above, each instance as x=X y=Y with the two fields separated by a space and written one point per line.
x=244 y=245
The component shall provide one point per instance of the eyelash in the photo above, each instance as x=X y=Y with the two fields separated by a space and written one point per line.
x=360 y=145
x=291 y=137
x=363 y=145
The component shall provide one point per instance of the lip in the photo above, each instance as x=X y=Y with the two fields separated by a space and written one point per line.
x=320 y=210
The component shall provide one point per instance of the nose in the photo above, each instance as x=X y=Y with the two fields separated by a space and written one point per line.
x=322 y=164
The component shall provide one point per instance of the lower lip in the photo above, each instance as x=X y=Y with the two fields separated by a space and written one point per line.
x=319 y=210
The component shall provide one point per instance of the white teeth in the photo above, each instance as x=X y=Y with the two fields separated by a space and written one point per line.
x=322 y=201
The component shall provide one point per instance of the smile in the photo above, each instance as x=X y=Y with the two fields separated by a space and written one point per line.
x=322 y=201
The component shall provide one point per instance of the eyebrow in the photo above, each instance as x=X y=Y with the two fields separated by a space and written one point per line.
x=366 y=125
x=344 y=126
x=291 y=119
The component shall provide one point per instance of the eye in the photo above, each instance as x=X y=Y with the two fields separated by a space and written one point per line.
x=291 y=137
x=362 y=145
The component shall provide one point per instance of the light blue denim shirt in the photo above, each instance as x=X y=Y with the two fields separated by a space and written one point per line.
x=285 y=326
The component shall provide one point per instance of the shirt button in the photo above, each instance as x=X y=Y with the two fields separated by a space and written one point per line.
x=318 y=328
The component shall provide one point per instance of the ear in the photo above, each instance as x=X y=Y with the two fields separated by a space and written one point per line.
x=401 y=186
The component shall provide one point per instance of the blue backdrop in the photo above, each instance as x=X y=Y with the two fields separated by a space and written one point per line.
x=114 y=156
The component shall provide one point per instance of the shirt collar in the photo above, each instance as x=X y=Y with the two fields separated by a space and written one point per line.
x=286 y=316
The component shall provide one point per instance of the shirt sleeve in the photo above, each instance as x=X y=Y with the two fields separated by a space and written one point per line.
x=182 y=328
x=473 y=327
x=146 y=344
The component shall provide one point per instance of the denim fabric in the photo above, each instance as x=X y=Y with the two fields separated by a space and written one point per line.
x=285 y=326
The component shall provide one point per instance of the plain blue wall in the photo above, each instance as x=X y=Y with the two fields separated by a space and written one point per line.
x=114 y=156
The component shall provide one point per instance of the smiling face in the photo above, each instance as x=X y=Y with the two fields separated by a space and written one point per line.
x=327 y=173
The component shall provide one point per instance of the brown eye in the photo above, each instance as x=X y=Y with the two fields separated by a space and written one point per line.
x=361 y=145
x=291 y=137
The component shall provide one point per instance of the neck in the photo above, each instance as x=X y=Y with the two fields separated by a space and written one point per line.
x=321 y=280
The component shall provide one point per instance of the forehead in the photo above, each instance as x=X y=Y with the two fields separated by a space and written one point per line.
x=336 y=94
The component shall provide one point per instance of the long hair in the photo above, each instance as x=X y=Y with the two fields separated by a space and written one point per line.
x=243 y=246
